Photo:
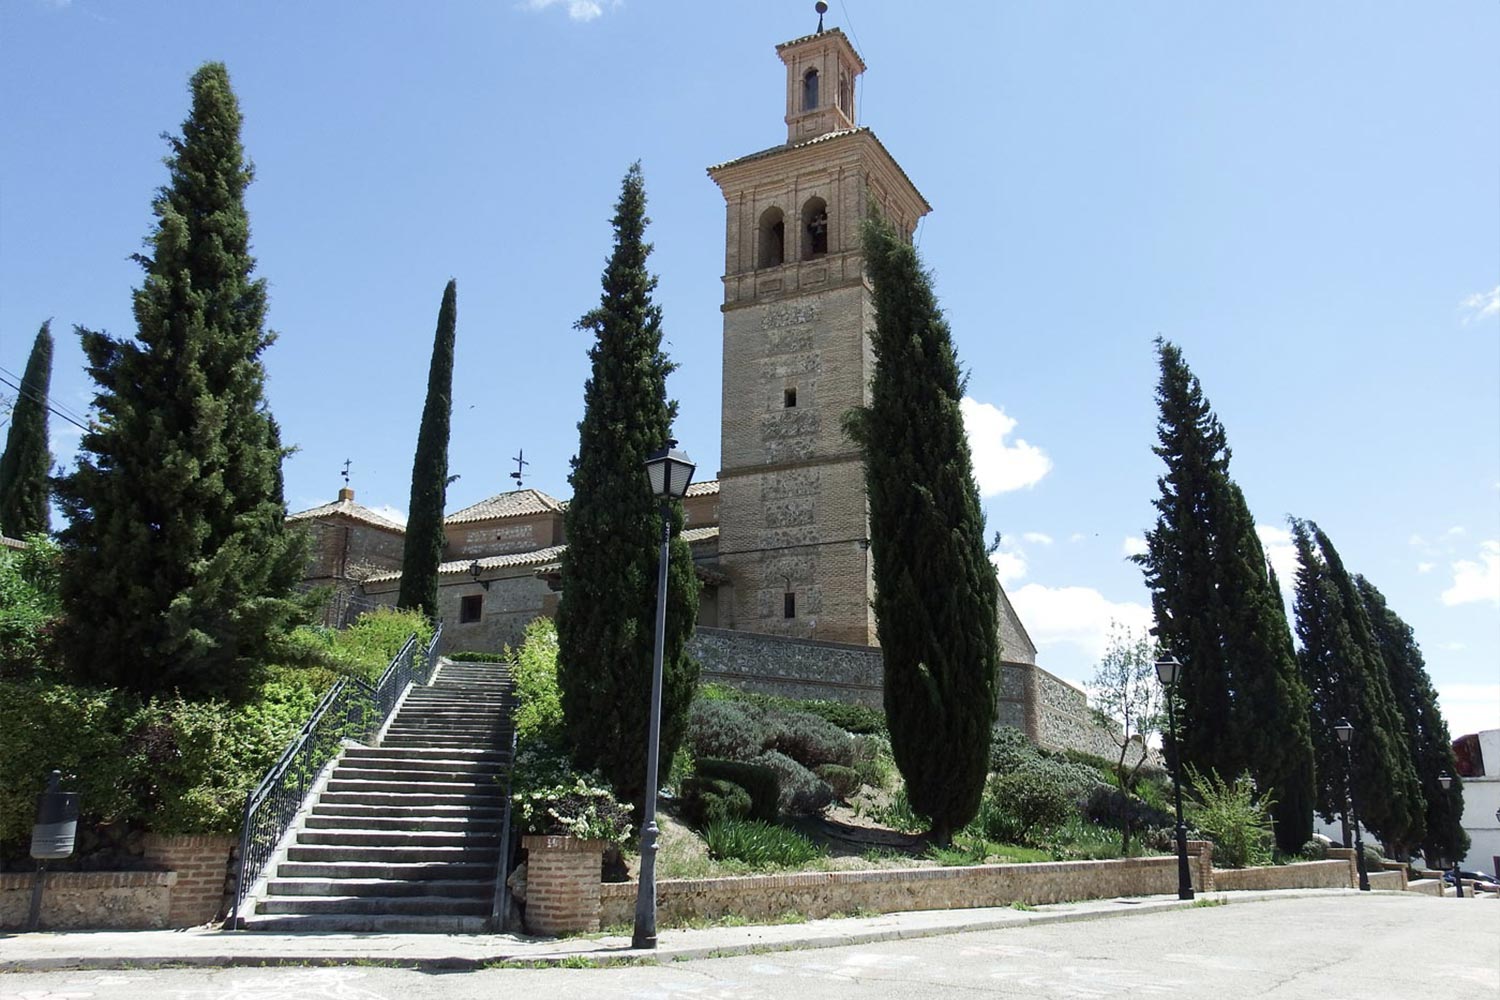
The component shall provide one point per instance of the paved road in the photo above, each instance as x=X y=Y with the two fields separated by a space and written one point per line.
x=1383 y=947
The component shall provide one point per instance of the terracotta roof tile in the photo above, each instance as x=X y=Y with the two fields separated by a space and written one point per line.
x=709 y=487
x=516 y=503
x=348 y=508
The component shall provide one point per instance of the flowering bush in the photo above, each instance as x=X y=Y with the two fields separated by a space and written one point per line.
x=579 y=809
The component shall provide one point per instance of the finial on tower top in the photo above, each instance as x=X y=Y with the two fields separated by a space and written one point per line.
x=821 y=8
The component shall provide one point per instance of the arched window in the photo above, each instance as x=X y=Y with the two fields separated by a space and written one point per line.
x=814 y=228
x=772 y=249
x=810 y=90
x=846 y=95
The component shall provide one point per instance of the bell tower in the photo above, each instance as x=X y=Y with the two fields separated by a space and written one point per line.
x=793 y=523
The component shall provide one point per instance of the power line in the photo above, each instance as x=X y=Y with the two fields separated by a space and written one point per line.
x=31 y=395
x=61 y=406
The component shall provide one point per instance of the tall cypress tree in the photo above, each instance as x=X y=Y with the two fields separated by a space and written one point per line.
x=178 y=572
x=1218 y=610
x=1347 y=679
x=423 y=552
x=935 y=588
x=1427 y=739
x=606 y=618
x=26 y=461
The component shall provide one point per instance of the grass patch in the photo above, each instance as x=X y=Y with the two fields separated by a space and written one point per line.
x=1210 y=901
x=760 y=845
x=1020 y=905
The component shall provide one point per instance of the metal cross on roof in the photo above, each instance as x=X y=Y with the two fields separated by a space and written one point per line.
x=346 y=472
x=521 y=464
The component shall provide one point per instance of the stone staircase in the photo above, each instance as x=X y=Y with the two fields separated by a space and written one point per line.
x=405 y=837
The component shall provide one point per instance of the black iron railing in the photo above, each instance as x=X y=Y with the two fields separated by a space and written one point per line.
x=500 y=905
x=352 y=709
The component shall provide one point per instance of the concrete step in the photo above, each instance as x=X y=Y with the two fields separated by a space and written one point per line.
x=435 y=906
x=380 y=887
x=351 y=923
x=405 y=871
x=425 y=785
x=422 y=776
x=471 y=839
x=481 y=810
x=336 y=855
x=492 y=799
x=488 y=824
x=495 y=763
x=415 y=756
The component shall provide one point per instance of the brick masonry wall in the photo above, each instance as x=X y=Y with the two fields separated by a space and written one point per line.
x=90 y=900
x=819 y=894
x=562 y=885
x=201 y=864
x=1301 y=875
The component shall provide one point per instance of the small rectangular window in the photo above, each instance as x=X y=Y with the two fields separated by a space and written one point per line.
x=789 y=397
x=469 y=608
x=789 y=605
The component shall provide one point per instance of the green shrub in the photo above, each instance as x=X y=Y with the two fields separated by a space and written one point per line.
x=29 y=607
x=1108 y=806
x=477 y=656
x=706 y=801
x=802 y=792
x=807 y=739
x=899 y=815
x=1010 y=750
x=1233 y=817
x=539 y=715
x=1024 y=805
x=855 y=719
x=844 y=781
x=583 y=809
x=873 y=761
x=762 y=783
x=725 y=730
x=368 y=646
x=1314 y=850
x=759 y=845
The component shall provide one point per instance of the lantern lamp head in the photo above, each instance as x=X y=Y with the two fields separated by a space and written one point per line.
x=1168 y=669
x=670 y=472
x=1344 y=729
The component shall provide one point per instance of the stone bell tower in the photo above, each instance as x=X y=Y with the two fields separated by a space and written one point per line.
x=793 y=536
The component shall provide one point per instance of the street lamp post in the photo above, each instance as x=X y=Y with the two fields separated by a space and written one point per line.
x=1344 y=729
x=670 y=471
x=1167 y=671
x=1446 y=780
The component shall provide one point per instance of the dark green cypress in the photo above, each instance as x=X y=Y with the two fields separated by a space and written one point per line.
x=935 y=588
x=1427 y=739
x=178 y=571
x=1347 y=679
x=1218 y=610
x=423 y=552
x=606 y=618
x=26 y=461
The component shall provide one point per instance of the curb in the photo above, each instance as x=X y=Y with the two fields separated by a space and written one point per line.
x=665 y=955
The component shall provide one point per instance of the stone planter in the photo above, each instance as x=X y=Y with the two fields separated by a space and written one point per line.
x=562 y=885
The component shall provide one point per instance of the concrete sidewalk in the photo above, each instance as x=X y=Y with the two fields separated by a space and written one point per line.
x=43 y=951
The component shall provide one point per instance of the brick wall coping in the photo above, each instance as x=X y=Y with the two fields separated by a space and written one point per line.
x=807 y=880
x=556 y=843
x=89 y=880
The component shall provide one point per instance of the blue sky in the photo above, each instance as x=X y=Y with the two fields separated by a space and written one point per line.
x=1306 y=197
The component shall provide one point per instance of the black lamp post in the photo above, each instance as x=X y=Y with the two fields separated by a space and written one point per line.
x=1344 y=729
x=1167 y=671
x=1446 y=780
x=670 y=471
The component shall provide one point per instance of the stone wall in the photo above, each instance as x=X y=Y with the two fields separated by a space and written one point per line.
x=1064 y=719
x=1301 y=875
x=201 y=868
x=819 y=894
x=90 y=900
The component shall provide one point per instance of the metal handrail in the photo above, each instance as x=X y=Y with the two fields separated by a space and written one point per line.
x=500 y=903
x=352 y=709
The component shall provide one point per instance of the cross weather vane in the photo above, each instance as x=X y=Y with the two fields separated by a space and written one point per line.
x=521 y=464
x=346 y=473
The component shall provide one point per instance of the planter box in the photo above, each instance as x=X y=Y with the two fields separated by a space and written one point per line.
x=562 y=885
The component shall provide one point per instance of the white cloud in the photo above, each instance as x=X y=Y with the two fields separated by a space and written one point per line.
x=1076 y=537
x=1037 y=538
x=1481 y=305
x=1457 y=531
x=1469 y=708
x=1000 y=467
x=578 y=10
x=1426 y=567
x=1133 y=546
x=1078 y=616
x=391 y=513
x=1009 y=566
x=1277 y=542
x=1453 y=647
x=1476 y=582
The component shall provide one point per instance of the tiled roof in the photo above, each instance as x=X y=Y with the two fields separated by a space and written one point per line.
x=820 y=34
x=709 y=487
x=825 y=137
x=694 y=535
x=516 y=503
x=11 y=543
x=535 y=557
x=348 y=508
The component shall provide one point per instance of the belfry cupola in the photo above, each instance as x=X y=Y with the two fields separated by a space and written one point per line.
x=820 y=74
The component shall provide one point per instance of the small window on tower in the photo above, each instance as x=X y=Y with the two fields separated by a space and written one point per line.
x=469 y=608
x=789 y=605
x=810 y=90
x=789 y=397
x=772 y=238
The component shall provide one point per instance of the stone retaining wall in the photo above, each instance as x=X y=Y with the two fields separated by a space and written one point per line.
x=90 y=900
x=819 y=894
x=1301 y=875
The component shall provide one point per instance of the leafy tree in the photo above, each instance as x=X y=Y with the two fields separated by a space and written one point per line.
x=26 y=462
x=1347 y=679
x=606 y=619
x=1218 y=611
x=429 y=471
x=178 y=571
x=1427 y=739
x=1129 y=697
x=935 y=588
